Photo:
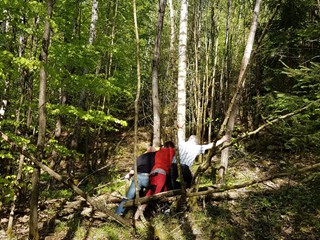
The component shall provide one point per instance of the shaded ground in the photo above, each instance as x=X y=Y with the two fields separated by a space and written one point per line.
x=285 y=208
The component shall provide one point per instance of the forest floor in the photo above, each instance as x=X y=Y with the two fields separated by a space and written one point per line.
x=281 y=208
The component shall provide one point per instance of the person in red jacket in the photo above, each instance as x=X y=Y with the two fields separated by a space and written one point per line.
x=157 y=179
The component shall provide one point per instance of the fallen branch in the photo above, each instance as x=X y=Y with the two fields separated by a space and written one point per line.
x=218 y=191
x=69 y=184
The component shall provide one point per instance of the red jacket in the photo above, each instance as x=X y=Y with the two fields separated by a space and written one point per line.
x=163 y=159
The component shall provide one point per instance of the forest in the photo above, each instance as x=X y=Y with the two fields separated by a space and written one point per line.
x=87 y=86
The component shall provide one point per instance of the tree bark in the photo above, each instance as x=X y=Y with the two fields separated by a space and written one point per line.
x=94 y=19
x=215 y=38
x=136 y=105
x=171 y=64
x=33 y=224
x=197 y=88
x=155 y=65
x=182 y=76
x=16 y=194
x=182 y=68
x=232 y=112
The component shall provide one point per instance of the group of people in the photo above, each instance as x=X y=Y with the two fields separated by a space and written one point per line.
x=153 y=167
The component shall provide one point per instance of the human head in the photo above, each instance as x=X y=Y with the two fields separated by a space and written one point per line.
x=193 y=139
x=168 y=144
x=151 y=149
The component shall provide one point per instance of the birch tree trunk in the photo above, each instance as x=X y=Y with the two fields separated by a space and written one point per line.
x=94 y=19
x=232 y=112
x=182 y=71
x=182 y=76
x=155 y=64
x=33 y=224
x=4 y=102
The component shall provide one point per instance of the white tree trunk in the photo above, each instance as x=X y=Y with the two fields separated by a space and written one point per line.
x=182 y=75
x=94 y=18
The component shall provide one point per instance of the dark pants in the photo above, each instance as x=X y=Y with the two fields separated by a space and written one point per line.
x=172 y=177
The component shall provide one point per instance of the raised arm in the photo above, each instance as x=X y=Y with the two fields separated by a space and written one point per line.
x=222 y=140
x=203 y=148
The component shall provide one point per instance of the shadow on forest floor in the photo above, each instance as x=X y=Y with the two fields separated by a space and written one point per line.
x=290 y=210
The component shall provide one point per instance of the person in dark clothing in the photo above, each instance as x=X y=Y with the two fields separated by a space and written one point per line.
x=172 y=177
x=145 y=163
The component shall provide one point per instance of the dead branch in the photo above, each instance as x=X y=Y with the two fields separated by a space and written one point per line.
x=221 y=191
x=69 y=184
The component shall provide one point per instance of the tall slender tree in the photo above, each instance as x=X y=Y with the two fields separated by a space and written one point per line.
x=215 y=38
x=136 y=102
x=33 y=224
x=155 y=84
x=182 y=76
x=233 y=109
x=182 y=71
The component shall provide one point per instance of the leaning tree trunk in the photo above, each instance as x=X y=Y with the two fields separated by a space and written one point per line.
x=155 y=65
x=33 y=224
x=234 y=105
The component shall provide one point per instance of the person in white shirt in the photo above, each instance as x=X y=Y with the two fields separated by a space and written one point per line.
x=189 y=150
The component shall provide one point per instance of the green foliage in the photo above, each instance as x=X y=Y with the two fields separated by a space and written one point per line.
x=30 y=65
x=94 y=117
x=6 y=58
x=7 y=189
x=301 y=132
x=53 y=145
x=308 y=84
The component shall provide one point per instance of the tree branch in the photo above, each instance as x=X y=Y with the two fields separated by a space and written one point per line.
x=288 y=115
x=162 y=196
x=69 y=184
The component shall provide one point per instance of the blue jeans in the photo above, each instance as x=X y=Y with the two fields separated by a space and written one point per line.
x=143 y=181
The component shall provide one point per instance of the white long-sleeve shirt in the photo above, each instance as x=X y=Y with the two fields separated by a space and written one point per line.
x=188 y=151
